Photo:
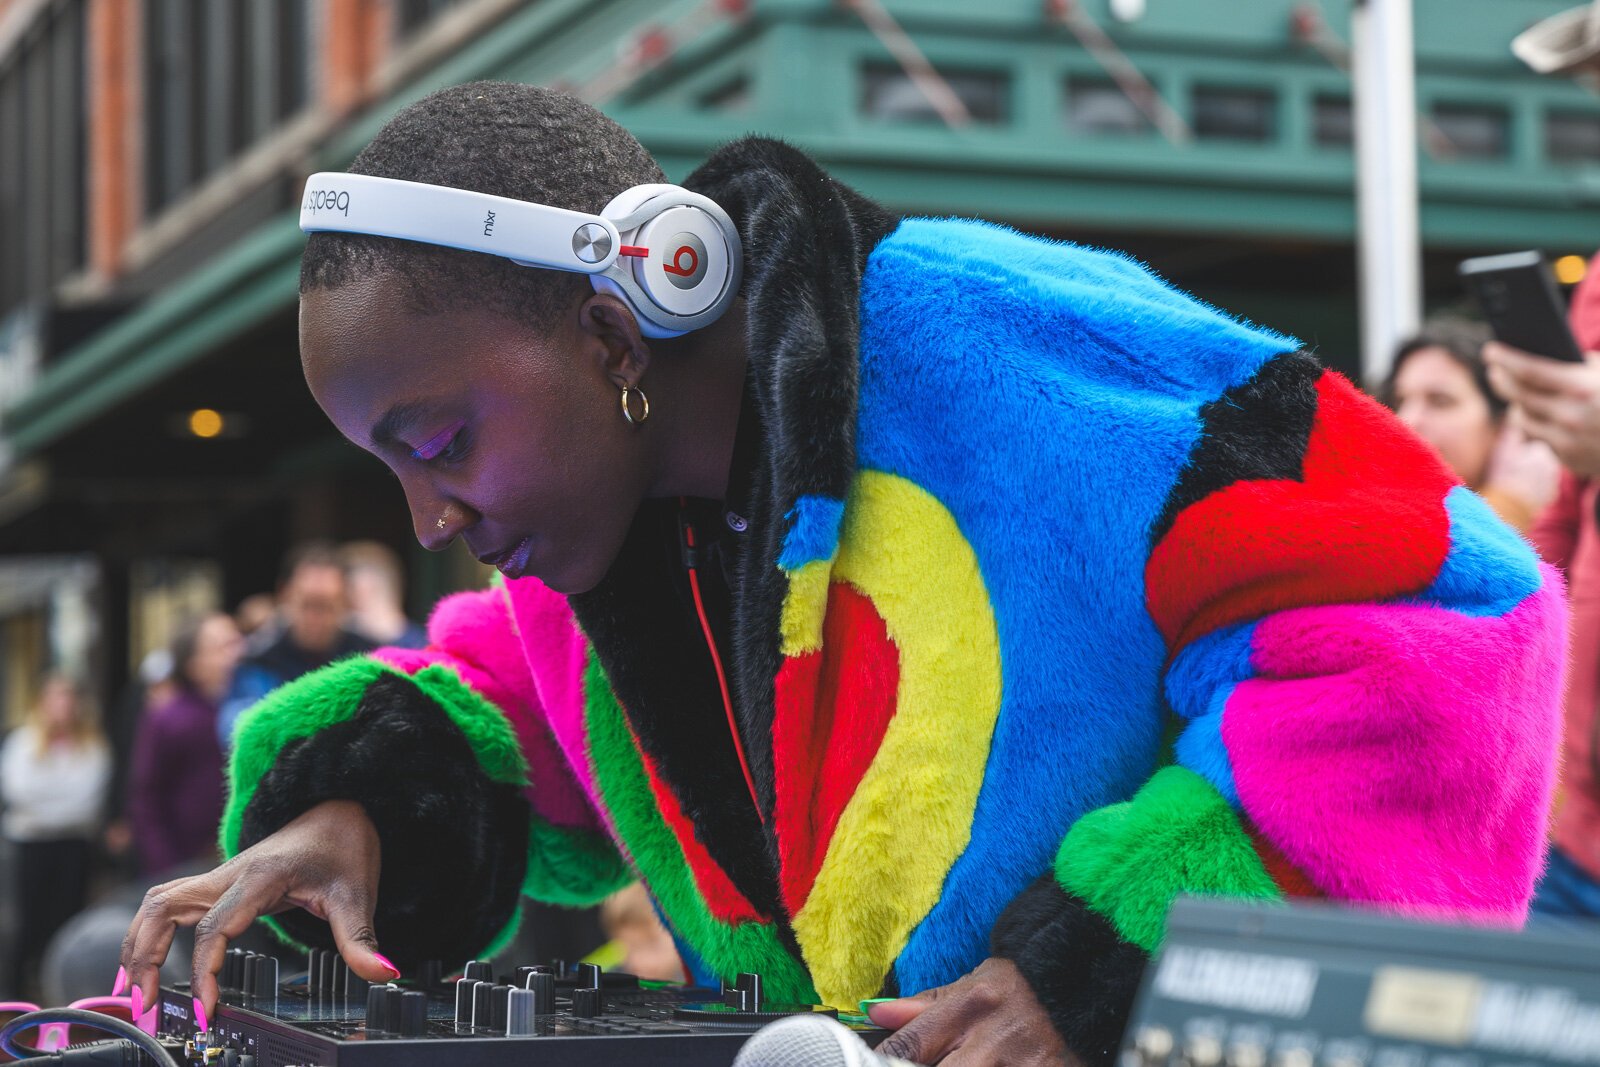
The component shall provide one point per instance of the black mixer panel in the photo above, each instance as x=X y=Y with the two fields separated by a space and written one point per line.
x=1240 y=985
x=328 y=1017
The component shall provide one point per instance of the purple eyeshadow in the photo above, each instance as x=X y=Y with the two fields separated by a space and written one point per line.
x=438 y=442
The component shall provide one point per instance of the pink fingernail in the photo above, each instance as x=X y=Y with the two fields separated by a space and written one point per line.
x=122 y=982
x=138 y=998
x=385 y=961
x=200 y=1015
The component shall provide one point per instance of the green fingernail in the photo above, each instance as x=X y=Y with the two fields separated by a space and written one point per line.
x=867 y=1004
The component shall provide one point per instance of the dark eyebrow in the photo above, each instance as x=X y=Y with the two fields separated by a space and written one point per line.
x=386 y=431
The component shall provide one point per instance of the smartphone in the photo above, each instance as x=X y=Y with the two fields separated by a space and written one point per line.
x=1518 y=295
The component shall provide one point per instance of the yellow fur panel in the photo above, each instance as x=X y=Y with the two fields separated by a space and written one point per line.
x=804 y=608
x=910 y=817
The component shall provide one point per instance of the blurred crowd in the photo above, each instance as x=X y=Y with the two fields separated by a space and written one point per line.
x=91 y=814
x=83 y=808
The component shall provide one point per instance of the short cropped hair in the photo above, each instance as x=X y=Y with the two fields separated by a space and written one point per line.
x=518 y=141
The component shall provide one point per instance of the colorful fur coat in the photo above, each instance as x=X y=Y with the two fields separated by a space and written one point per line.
x=1062 y=593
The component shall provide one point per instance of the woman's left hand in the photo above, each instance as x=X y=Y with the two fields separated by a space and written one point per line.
x=988 y=1017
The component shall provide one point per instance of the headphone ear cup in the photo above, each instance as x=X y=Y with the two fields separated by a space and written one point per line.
x=689 y=269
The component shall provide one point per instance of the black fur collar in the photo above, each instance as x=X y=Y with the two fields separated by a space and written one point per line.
x=806 y=241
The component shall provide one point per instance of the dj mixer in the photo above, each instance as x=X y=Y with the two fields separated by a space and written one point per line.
x=550 y=1014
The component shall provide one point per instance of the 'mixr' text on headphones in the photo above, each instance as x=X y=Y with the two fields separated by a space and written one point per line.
x=673 y=256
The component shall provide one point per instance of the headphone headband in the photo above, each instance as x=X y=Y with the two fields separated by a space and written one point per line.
x=673 y=255
x=531 y=234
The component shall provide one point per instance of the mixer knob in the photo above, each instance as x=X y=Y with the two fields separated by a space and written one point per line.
x=588 y=976
x=392 y=1002
x=498 y=998
x=266 y=976
x=429 y=975
x=587 y=1003
x=482 y=1006
x=232 y=969
x=377 y=1009
x=355 y=986
x=413 y=1014
x=325 y=969
x=542 y=984
x=522 y=976
x=1153 y=1044
x=478 y=971
x=519 y=1013
x=464 y=1000
x=247 y=974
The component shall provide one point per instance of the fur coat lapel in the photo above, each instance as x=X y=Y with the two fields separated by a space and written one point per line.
x=806 y=242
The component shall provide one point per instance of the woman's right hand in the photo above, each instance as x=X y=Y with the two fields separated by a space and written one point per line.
x=326 y=861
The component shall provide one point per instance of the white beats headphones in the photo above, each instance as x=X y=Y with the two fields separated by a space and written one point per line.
x=673 y=256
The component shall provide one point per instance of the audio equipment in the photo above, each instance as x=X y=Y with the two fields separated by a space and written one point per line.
x=1239 y=985
x=552 y=1013
x=672 y=255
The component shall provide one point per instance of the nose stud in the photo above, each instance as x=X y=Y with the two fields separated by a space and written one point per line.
x=440 y=523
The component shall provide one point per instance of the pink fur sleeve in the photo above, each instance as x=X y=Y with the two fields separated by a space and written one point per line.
x=1402 y=753
x=475 y=635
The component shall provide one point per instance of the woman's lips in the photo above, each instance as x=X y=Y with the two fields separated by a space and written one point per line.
x=513 y=561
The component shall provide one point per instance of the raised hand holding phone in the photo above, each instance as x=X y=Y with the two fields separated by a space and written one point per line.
x=1554 y=401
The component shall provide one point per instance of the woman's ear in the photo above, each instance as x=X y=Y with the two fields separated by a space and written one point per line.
x=623 y=349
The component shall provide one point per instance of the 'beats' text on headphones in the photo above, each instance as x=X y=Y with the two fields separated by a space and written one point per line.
x=673 y=256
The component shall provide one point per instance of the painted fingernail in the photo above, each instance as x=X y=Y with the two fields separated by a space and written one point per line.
x=138 y=1000
x=200 y=1015
x=866 y=1005
x=393 y=970
x=122 y=982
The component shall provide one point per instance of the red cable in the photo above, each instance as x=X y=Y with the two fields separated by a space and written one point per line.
x=722 y=680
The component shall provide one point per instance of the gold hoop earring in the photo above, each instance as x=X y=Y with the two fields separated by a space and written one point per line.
x=627 y=412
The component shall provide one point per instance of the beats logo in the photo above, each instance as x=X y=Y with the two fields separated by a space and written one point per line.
x=686 y=264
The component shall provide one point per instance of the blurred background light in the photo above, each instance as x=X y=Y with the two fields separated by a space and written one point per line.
x=1571 y=269
x=204 y=422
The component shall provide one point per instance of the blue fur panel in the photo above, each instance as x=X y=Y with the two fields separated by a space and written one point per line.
x=813 y=531
x=1489 y=570
x=1199 y=683
x=1048 y=395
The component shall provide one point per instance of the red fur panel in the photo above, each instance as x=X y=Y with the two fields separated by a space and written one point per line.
x=1290 y=879
x=1366 y=522
x=832 y=708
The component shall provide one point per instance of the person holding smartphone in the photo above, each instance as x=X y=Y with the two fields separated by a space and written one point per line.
x=1439 y=386
x=1558 y=402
